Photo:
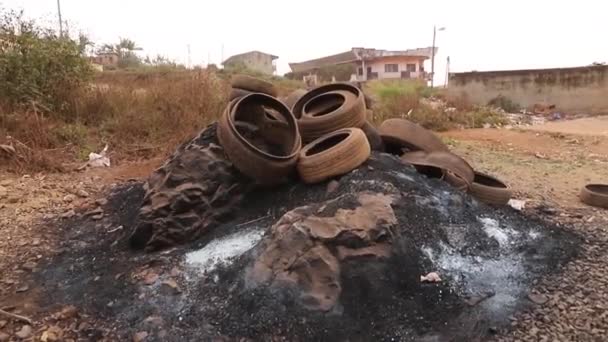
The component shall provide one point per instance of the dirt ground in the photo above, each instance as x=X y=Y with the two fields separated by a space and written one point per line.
x=545 y=168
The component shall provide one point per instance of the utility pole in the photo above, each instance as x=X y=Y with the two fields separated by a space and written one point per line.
x=189 y=58
x=433 y=54
x=447 y=72
x=60 y=21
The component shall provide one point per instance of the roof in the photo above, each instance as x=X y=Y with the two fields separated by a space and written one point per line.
x=236 y=57
x=340 y=58
x=356 y=54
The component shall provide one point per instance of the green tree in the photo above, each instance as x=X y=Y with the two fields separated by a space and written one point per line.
x=37 y=67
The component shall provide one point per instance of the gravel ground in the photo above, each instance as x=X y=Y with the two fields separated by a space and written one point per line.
x=572 y=306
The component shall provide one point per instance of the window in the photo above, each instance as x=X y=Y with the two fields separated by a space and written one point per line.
x=391 y=68
x=411 y=67
x=360 y=71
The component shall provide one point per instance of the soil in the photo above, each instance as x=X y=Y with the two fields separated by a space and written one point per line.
x=72 y=278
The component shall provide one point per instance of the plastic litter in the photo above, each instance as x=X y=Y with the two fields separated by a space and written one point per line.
x=517 y=204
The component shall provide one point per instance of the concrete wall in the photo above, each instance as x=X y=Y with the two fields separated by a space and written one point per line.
x=573 y=90
x=256 y=61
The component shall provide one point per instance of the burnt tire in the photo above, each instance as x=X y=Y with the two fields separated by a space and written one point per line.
x=328 y=108
x=595 y=195
x=373 y=137
x=253 y=84
x=334 y=154
x=490 y=190
x=293 y=97
x=401 y=133
x=237 y=93
x=266 y=168
x=456 y=168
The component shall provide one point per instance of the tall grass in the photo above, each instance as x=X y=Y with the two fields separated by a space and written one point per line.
x=429 y=107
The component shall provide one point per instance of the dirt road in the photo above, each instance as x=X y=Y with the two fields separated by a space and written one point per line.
x=595 y=126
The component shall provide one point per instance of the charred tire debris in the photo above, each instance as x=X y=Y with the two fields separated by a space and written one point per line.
x=595 y=195
x=313 y=135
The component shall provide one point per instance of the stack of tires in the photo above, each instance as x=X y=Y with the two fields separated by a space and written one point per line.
x=324 y=132
x=264 y=136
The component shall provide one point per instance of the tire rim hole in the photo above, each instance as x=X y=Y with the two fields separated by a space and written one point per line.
x=488 y=181
x=324 y=104
x=430 y=171
x=326 y=144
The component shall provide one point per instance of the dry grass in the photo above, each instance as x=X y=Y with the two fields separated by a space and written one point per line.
x=414 y=101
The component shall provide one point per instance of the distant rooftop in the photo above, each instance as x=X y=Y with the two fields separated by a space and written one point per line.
x=234 y=57
x=356 y=54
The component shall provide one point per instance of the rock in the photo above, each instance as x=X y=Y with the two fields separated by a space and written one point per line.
x=332 y=186
x=154 y=321
x=6 y=182
x=150 y=278
x=69 y=198
x=312 y=260
x=3 y=192
x=68 y=214
x=94 y=212
x=432 y=277
x=97 y=217
x=537 y=298
x=4 y=337
x=2 y=324
x=52 y=334
x=140 y=336
x=29 y=266
x=13 y=199
x=175 y=272
x=23 y=288
x=194 y=191
x=101 y=202
x=25 y=332
x=35 y=242
x=171 y=284
x=69 y=311
x=82 y=193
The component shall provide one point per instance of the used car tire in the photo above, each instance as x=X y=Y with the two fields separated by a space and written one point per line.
x=293 y=97
x=334 y=154
x=237 y=93
x=401 y=133
x=595 y=195
x=490 y=190
x=253 y=84
x=373 y=137
x=328 y=108
x=447 y=161
x=263 y=166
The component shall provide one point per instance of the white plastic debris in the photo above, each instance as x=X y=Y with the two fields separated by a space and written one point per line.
x=99 y=159
x=432 y=277
x=517 y=204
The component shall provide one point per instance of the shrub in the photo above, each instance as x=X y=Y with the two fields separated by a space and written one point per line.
x=38 y=69
x=505 y=104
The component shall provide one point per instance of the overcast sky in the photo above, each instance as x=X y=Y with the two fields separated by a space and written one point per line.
x=479 y=35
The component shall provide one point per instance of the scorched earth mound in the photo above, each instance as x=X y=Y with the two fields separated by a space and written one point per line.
x=317 y=262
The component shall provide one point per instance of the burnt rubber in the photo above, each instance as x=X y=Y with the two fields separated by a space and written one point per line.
x=490 y=190
x=458 y=168
x=328 y=108
x=236 y=93
x=375 y=141
x=334 y=154
x=253 y=84
x=595 y=195
x=401 y=133
x=265 y=167
x=293 y=97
